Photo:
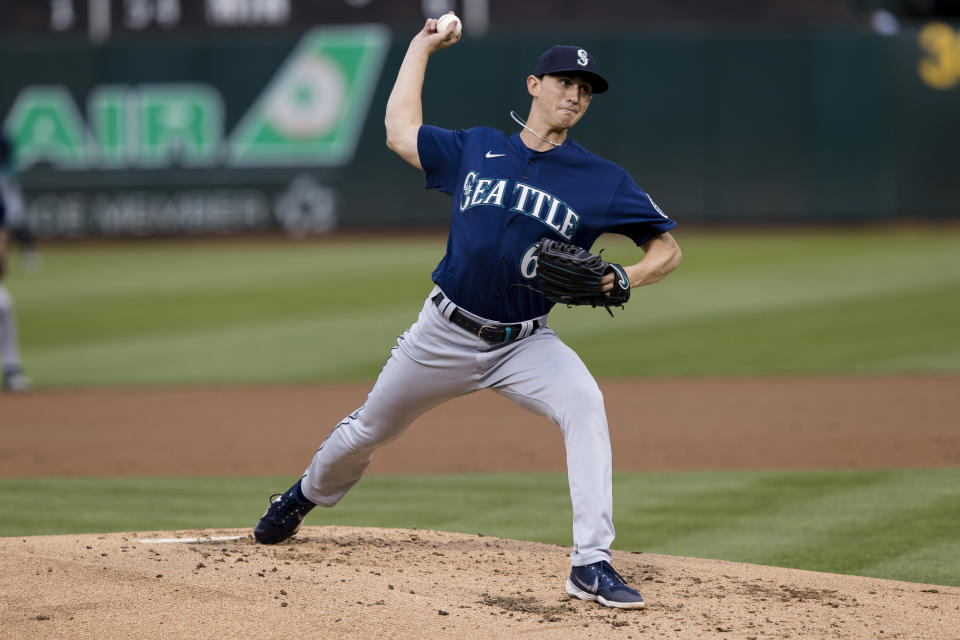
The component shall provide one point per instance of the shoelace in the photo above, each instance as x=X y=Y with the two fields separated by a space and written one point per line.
x=606 y=567
x=285 y=509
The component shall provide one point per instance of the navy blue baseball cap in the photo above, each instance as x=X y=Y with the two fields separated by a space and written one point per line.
x=565 y=58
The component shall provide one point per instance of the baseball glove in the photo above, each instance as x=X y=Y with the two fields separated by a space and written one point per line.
x=572 y=275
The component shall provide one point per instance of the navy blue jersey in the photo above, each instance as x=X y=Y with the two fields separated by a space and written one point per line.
x=506 y=197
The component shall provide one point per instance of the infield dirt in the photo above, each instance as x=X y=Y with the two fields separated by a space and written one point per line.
x=654 y=425
x=377 y=583
x=389 y=583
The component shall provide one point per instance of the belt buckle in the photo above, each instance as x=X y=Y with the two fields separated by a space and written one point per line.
x=491 y=333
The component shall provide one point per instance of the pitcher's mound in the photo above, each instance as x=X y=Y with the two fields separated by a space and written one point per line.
x=374 y=583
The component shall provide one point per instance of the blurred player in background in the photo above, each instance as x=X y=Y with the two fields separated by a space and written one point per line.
x=17 y=225
x=14 y=380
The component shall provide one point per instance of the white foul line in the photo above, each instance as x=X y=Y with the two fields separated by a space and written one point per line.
x=167 y=540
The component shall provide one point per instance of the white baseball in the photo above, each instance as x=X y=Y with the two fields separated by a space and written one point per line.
x=445 y=19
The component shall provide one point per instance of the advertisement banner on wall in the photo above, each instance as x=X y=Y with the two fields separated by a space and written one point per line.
x=178 y=134
x=183 y=152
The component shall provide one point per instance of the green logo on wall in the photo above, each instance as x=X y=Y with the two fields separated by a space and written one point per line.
x=314 y=108
x=46 y=125
x=311 y=113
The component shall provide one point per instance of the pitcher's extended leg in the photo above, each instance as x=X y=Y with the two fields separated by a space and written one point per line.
x=432 y=363
x=545 y=376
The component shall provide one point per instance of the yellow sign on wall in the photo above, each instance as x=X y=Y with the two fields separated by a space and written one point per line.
x=941 y=69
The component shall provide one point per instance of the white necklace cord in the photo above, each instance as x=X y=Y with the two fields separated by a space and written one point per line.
x=516 y=118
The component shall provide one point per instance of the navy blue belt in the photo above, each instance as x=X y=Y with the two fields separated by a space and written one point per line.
x=495 y=333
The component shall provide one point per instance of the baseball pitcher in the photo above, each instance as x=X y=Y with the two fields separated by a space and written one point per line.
x=524 y=209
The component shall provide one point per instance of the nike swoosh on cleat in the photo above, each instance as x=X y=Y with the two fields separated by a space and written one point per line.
x=583 y=585
x=491 y=154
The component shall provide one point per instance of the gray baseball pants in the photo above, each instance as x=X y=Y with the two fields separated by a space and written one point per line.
x=435 y=361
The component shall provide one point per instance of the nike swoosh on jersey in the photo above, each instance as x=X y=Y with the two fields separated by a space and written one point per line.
x=491 y=154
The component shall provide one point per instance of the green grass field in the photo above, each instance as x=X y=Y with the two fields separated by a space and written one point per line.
x=891 y=524
x=855 y=302
x=802 y=302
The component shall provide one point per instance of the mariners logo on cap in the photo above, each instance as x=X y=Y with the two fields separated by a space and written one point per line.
x=563 y=58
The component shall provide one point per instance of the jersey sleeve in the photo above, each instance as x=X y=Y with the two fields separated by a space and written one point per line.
x=634 y=214
x=440 y=151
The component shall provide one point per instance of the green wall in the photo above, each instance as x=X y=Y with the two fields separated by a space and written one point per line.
x=760 y=125
x=750 y=126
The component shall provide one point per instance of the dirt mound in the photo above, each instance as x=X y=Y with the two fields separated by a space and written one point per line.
x=375 y=583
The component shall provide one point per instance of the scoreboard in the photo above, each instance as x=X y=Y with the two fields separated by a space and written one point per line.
x=102 y=19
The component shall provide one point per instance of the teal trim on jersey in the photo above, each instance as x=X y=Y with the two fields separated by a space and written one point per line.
x=509 y=330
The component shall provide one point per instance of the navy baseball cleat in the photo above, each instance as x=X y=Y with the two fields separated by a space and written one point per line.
x=283 y=517
x=599 y=581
